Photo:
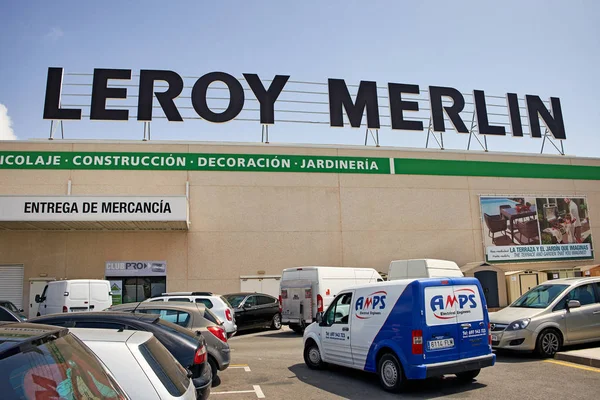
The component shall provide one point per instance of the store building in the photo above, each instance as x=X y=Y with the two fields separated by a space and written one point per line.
x=156 y=216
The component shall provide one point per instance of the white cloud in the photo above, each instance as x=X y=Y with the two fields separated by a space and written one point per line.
x=54 y=34
x=6 y=132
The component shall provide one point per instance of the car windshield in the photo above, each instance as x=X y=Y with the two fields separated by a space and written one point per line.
x=63 y=368
x=226 y=301
x=539 y=297
x=235 y=299
x=9 y=305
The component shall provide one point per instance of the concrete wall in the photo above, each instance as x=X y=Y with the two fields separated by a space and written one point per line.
x=244 y=222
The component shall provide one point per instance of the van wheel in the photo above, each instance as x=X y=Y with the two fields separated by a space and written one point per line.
x=276 y=322
x=312 y=356
x=548 y=343
x=391 y=376
x=468 y=376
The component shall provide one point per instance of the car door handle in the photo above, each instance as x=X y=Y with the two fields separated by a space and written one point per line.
x=345 y=329
x=465 y=326
x=596 y=312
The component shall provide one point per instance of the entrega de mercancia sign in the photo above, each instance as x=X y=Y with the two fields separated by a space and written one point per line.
x=339 y=100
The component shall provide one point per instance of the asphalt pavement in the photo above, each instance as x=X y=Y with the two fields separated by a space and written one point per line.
x=269 y=365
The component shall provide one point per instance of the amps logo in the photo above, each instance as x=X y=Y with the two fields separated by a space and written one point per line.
x=461 y=302
x=371 y=305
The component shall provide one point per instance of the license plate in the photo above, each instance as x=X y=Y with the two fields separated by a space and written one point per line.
x=495 y=338
x=440 y=344
x=286 y=312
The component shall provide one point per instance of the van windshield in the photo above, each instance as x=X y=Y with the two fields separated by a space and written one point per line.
x=539 y=297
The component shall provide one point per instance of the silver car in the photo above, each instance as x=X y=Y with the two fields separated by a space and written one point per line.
x=556 y=313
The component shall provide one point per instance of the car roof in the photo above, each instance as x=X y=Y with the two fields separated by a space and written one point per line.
x=13 y=334
x=101 y=314
x=573 y=281
x=247 y=294
x=173 y=305
x=111 y=335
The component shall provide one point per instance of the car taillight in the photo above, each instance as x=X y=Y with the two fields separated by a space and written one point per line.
x=280 y=304
x=228 y=314
x=489 y=334
x=200 y=356
x=319 y=303
x=417 y=342
x=65 y=309
x=219 y=332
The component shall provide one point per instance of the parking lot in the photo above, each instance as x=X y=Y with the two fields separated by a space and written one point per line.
x=269 y=365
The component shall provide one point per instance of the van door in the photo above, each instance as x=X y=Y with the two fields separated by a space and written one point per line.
x=100 y=298
x=470 y=318
x=441 y=336
x=78 y=296
x=335 y=331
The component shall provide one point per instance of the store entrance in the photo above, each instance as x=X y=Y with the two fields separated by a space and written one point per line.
x=136 y=289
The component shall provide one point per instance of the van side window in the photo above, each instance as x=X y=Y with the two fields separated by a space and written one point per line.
x=339 y=311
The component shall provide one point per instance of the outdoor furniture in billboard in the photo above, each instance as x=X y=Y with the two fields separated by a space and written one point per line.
x=528 y=230
x=511 y=214
x=495 y=224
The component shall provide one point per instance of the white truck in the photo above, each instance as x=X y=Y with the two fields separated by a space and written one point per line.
x=306 y=291
x=74 y=295
x=423 y=268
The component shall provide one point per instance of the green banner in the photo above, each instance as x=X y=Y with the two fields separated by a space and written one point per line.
x=192 y=162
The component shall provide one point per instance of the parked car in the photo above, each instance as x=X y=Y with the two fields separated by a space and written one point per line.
x=306 y=291
x=195 y=317
x=410 y=329
x=7 y=315
x=556 y=313
x=216 y=303
x=74 y=295
x=140 y=363
x=255 y=310
x=42 y=361
x=17 y=311
x=189 y=348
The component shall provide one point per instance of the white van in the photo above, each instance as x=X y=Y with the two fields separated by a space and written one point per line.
x=423 y=268
x=305 y=291
x=74 y=295
x=405 y=329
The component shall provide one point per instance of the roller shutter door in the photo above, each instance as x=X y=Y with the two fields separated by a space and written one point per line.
x=11 y=284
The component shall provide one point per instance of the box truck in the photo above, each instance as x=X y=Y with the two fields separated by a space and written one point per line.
x=423 y=268
x=74 y=295
x=305 y=291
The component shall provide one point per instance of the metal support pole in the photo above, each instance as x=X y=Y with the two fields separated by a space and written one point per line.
x=374 y=136
x=146 y=131
x=265 y=133
x=432 y=133
x=53 y=127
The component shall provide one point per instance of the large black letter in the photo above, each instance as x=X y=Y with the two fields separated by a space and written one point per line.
x=52 y=108
x=147 y=78
x=236 y=97
x=266 y=98
x=397 y=106
x=482 y=118
x=366 y=97
x=555 y=124
x=101 y=92
x=516 y=126
x=437 y=108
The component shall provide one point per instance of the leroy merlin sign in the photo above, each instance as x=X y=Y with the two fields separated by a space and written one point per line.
x=289 y=163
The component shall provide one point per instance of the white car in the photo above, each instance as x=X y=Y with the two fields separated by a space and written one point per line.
x=216 y=303
x=140 y=363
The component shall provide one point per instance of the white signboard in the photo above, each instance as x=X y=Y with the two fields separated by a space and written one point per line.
x=93 y=208
x=135 y=268
x=540 y=252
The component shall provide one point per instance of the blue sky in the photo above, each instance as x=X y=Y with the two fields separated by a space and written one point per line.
x=548 y=48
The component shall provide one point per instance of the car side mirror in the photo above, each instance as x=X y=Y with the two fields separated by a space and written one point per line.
x=573 y=304
x=21 y=310
x=319 y=318
x=246 y=305
x=38 y=299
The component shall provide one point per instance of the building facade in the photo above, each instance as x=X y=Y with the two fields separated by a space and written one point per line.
x=251 y=210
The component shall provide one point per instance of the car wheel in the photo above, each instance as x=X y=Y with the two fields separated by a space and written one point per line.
x=276 y=322
x=312 y=355
x=548 y=343
x=391 y=376
x=468 y=376
x=213 y=367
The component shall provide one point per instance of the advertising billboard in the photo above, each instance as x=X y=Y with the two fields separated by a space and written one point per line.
x=535 y=228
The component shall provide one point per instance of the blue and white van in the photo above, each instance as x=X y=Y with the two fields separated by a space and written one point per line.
x=405 y=329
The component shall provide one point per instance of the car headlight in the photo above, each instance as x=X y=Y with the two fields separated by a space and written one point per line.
x=518 y=324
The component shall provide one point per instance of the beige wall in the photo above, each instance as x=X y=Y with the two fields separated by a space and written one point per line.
x=244 y=222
